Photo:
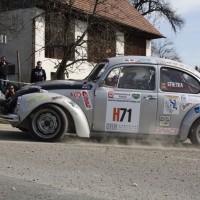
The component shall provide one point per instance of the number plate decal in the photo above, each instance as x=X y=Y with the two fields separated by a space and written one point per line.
x=123 y=111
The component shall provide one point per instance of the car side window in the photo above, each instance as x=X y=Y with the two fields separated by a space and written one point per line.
x=172 y=80
x=137 y=77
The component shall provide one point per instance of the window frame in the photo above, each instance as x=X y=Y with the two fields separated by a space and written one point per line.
x=121 y=67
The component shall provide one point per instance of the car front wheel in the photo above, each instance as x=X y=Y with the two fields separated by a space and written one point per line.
x=48 y=123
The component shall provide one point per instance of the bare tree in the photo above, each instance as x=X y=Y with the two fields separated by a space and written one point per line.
x=13 y=24
x=156 y=10
x=60 y=21
x=196 y=68
x=4 y=15
x=60 y=36
x=162 y=8
x=165 y=49
x=61 y=18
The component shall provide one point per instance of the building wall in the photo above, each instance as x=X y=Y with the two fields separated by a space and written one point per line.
x=81 y=69
x=77 y=71
x=148 y=47
x=120 y=44
x=19 y=40
x=39 y=37
x=31 y=37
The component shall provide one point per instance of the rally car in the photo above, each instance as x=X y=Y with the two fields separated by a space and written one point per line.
x=122 y=96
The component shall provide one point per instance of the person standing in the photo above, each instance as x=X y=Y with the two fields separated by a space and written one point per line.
x=3 y=73
x=38 y=74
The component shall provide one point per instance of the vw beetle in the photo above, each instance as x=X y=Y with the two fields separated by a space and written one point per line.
x=122 y=96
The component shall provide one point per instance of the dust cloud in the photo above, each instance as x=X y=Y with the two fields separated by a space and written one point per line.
x=127 y=142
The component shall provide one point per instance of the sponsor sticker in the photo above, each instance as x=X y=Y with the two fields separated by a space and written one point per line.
x=57 y=98
x=193 y=99
x=136 y=96
x=171 y=105
x=124 y=96
x=86 y=86
x=37 y=98
x=197 y=109
x=183 y=98
x=164 y=120
x=86 y=100
x=185 y=106
x=167 y=131
x=175 y=85
x=111 y=94
x=76 y=94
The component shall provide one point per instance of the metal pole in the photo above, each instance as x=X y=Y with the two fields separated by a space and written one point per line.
x=18 y=69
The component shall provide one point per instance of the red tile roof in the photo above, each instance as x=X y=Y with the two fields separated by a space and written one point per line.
x=120 y=11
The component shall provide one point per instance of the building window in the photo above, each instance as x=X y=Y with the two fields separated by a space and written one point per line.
x=134 y=45
x=58 y=35
x=101 y=43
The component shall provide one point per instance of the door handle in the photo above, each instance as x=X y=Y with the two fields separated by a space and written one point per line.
x=150 y=97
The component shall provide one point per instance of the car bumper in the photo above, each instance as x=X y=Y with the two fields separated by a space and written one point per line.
x=10 y=117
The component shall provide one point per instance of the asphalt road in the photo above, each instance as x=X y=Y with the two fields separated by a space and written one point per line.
x=86 y=169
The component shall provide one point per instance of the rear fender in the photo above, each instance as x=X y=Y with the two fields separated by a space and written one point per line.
x=26 y=104
x=192 y=115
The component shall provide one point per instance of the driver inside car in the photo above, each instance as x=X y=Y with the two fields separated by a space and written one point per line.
x=112 y=81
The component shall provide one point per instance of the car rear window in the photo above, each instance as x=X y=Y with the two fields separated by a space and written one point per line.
x=172 y=80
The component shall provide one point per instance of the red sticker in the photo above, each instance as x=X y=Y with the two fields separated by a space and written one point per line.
x=86 y=100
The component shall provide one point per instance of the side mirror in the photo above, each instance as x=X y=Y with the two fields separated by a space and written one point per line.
x=101 y=83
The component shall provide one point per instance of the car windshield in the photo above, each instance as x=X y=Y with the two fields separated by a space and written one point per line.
x=96 y=72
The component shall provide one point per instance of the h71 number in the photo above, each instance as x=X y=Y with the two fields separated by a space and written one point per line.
x=120 y=113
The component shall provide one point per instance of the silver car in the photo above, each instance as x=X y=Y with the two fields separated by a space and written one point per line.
x=130 y=96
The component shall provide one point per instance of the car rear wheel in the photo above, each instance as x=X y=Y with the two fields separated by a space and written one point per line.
x=48 y=123
x=195 y=133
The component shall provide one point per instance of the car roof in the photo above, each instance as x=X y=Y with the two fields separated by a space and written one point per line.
x=149 y=60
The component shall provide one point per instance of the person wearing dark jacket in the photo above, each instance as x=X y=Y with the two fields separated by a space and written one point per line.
x=3 y=73
x=38 y=74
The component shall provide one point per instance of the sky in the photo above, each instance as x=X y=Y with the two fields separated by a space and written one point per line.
x=187 y=40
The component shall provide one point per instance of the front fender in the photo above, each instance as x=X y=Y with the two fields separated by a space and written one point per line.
x=29 y=102
x=192 y=115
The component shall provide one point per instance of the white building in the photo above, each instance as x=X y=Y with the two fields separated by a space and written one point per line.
x=24 y=45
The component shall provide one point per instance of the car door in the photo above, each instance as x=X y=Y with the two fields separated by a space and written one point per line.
x=177 y=95
x=127 y=102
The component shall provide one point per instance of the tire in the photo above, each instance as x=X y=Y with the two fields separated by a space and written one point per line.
x=194 y=135
x=48 y=123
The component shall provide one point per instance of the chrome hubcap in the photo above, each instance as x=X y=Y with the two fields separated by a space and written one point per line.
x=47 y=123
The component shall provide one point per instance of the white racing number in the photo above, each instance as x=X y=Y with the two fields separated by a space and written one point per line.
x=123 y=112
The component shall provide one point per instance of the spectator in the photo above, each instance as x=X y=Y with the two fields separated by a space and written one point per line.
x=5 y=103
x=9 y=91
x=3 y=73
x=38 y=74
